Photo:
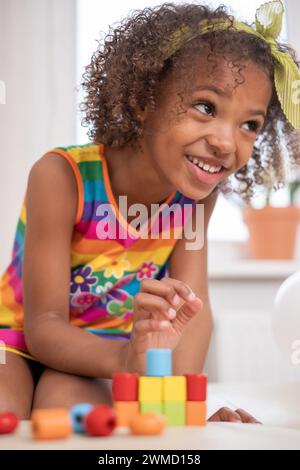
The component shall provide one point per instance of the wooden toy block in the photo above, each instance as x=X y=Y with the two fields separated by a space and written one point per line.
x=195 y=413
x=196 y=387
x=174 y=389
x=158 y=362
x=125 y=387
x=174 y=413
x=150 y=389
x=125 y=410
x=151 y=408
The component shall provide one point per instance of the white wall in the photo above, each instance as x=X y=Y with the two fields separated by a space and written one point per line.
x=292 y=19
x=37 y=65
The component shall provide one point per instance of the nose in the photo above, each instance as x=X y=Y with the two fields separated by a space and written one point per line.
x=222 y=140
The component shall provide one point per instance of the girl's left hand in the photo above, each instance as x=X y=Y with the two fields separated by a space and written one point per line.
x=237 y=416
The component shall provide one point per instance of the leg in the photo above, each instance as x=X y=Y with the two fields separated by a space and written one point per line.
x=16 y=386
x=59 y=389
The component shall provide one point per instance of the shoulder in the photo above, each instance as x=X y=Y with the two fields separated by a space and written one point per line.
x=52 y=183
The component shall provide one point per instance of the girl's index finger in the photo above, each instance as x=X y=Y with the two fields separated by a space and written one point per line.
x=166 y=290
x=182 y=289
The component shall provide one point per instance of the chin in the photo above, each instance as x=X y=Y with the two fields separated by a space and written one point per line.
x=200 y=193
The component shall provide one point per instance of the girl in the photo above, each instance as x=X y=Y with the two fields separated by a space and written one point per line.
x=178 y=98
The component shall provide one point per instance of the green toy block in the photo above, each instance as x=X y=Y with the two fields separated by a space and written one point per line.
x=151 y=407
x=174 y=413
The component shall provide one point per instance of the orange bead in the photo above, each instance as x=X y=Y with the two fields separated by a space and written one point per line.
x=195 y=413
x=52 y=423
x=125 y=410
x=144 y=424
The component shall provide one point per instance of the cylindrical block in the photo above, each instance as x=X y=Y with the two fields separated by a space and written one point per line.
x=124 y=387
x=196 y=387
x=52 y=423
x=77 y=413
x=159 y=362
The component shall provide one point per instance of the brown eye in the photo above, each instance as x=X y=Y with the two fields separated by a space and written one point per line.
x=254 y=126
x=204 y=105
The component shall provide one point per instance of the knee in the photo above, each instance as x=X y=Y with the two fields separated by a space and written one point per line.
x=12 y=404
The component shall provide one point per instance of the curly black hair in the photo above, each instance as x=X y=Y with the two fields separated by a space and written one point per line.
x=128 y=70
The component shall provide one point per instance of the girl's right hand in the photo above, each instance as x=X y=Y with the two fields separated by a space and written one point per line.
x=162 y=309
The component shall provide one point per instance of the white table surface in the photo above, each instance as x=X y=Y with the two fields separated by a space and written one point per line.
x=277 y=406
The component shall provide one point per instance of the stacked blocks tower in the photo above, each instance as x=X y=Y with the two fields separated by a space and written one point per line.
x=125 y=397
x=196 y=399
x=181 y=399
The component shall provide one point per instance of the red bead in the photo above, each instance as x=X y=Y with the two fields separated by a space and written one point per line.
x=125 y=387
x=8 y=422
x=196 y=387
x=100 y=421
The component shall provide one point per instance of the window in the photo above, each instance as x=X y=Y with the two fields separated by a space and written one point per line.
x=93 y=17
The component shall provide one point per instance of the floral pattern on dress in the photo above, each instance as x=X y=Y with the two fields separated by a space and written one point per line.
x=117 y=268
x=146 y=271
x=81 y=279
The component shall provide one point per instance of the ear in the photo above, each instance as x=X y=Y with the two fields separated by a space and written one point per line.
x=142 y=113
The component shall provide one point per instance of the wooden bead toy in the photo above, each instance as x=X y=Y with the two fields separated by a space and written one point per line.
x=125 y=387
x=77 y=413
x=8 y=422
x=145 y=424
x=52 y=423
x=100 y=421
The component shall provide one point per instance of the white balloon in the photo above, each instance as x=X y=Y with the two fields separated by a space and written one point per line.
x=286 y=318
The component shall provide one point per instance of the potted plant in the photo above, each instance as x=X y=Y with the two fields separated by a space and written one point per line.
x=272 y=230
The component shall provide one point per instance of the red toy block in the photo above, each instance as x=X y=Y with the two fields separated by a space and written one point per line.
x=196 y=387
x=125 y=387
x=100 y=421
x=8 y=422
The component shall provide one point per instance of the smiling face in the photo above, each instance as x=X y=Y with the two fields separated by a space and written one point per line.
x=217 y=127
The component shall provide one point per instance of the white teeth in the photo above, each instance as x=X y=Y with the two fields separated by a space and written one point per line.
x=204 y=166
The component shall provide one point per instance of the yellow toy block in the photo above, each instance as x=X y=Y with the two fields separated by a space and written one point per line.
x=174 y=389
x=150 y=389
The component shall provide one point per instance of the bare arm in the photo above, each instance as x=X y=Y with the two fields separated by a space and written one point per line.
x=51 y=201
x=190 y=266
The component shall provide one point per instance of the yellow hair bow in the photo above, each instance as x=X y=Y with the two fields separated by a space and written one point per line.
x=268 y=22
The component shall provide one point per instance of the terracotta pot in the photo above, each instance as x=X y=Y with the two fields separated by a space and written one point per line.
x=272 y=231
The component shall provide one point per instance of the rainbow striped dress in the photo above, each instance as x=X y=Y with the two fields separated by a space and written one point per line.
x=109 y=258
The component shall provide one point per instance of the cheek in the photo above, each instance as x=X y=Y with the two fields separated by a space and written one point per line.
x=244 y=153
